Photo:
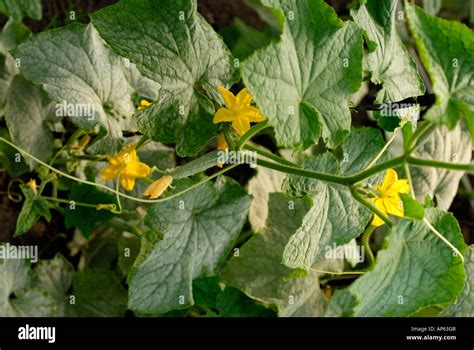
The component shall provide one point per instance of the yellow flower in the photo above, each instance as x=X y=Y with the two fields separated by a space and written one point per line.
x=157 y=188
x=388 y=199
x=83 y=142
x=125 y=165
x=32 y=184
x=144 y=104
x=238 y=110
x=221 y=146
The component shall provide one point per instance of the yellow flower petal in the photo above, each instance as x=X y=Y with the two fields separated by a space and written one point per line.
x=144 y=104
x=244 y=98
x=390 y=177
x=110 y=172
x=137 y=169
x=128 y=182
x=253 y=115
x=223 y=115
x=157 y=188
x=377 y=221
x=32 y=184
x=229 y=98
x=394 y=206
x=399 y=186
x=221 y=143
x=241 y=125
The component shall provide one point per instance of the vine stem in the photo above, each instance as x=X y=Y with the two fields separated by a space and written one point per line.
x=440 y=164
x=410 y=183
x=435 y=231
x=66 y=201
x=251 y=133
x=366 y=243
x=385 y=147
x=140 y=200
x=271 y=156
x=357 y=196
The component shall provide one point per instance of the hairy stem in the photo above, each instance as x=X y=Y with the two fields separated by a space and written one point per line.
x=251 y=133
x=271 y=156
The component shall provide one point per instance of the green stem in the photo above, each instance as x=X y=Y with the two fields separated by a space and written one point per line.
x=366 y=243
x=421 y=132
x=271 y=156
x=302 y=172
x=251 y=133
x=357 y=196
x=142 y=142
x=440 y=164
x=85 y=182
x=382 y=151
x=410 y=182
x=364 y=174
x=66 y=201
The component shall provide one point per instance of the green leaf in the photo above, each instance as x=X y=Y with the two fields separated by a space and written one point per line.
x=388 y=60
x=18 y=297
x=32 y=210
x=206 y=290
x=200 y=227
x=55 y=276
x=441 y=184
x=13 y=162
x=416 y=270
x=412 y=208
x=342 y=304
x=447 y=52
x=12 y=34
x=85 y=218
x=360 y=148
x=28 y=114
x=173 y=45
x=336 y=217
x=259 y=273
x=303 y=83
x=260 y=186
x=464 y=304
x=99 y=293
x=18 y=9
x=233 y=303
x=96 y=95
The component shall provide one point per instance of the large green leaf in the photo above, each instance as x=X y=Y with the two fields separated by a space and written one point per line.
x=416 y=270
x=79 y=72
x=259 y=273
x=388 y=60
x=18 y=298
x=199 y=229
x=447 y=52
x=99 y=293
x=174 y=46
x=442 y=184
x=303 y=83
x=336 y=217
x=28 y=114
x=85 y=218
x=12 y=34
x=34 y=207
x=55 y=276
x=464 y=304
x=18 y=9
